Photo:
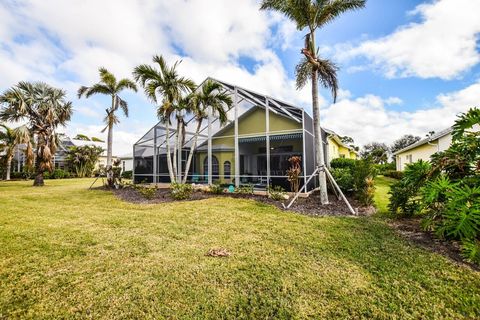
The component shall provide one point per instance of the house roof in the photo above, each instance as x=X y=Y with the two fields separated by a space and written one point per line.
x=337 y=139
x=434 y=137
x=275 y=105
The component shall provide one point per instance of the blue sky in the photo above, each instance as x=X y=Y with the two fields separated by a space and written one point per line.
x=405 y=66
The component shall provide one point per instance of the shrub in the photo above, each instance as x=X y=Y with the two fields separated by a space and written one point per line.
x=405 y=193
x=363 y=179
x=147 y=192
x=460 y=216
x=127 y=174
x=344 y=179
x=181 y=191
x=216 y=188
x=342 y=163
x=276 y=193
x=60 y=174
x=393 y=174
x=471 y=250
x=385 y=167
x=245 y=189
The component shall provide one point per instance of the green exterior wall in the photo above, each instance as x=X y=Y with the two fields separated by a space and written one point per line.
x=251 y=124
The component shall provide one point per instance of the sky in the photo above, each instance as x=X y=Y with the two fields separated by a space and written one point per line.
x=406 y=67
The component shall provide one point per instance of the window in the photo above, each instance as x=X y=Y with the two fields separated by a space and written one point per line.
x=227 y=169
x=214 y=166
x=409 y=158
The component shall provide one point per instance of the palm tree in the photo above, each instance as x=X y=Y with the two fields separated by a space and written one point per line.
x=165 y=82
x=109 y=85
x=209 y=96
x=44 y=108
x=312 y=15
x=9 y=140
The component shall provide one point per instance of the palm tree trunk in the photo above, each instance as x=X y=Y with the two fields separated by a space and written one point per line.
x=319 y=155
x=169 y=158
x=109 y=170
x=109 y=156
x=38 y=182
x=9 y=166
x=192 y=149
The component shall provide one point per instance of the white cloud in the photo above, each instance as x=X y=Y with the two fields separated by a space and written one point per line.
x=443 y=44
x=378 y=123
x=64 y=43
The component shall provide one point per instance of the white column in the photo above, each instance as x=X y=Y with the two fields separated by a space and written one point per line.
x=133 y=164
x=237 y=149
x=304 y=159
x=209 y=152
x=267 y=139
x=179 y=154
x=155 y=152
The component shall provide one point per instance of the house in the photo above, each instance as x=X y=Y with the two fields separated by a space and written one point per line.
x=423 y=149
x=253 y=147
x=336 y=148
x=60 y=157
x=126 y=162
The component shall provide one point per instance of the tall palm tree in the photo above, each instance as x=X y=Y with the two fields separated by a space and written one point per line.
x=209 y=96
x=44 y=108
x=164 y=86
x=109 y=85
x=312 y=15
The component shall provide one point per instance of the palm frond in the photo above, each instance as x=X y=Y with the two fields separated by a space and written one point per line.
x=330 y=10
x=327 y=76
x=107 y=78
x=126 y=84
x=123 y=105
x=303 y=73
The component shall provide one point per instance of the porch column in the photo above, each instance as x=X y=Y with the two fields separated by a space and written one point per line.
x=209 y=152
x=267 y=139
x=133 y=164
x=304 y=159
x=237 y=150
x=154 y=155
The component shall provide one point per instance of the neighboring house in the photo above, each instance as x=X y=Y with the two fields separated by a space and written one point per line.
x=59 y=159
x=262 y=133
x=336 y=148
x=126 y=162
x=423 y=149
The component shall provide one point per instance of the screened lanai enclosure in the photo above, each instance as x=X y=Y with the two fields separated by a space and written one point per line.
x=251 y=148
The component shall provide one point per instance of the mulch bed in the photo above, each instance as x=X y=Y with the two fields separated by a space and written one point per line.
x=410 y=229
x=307 y=206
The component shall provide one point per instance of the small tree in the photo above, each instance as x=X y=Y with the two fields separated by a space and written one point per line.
x=9 y=140
x=109 y=86
x=376 y=151
x=403 y=142
x=83 y=159
x=294 y=172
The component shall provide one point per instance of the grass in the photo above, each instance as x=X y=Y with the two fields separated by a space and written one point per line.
x=68 y=252
x=382 y=186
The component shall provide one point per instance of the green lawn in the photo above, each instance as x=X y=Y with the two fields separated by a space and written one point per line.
x=68 y=252
x=382 y=185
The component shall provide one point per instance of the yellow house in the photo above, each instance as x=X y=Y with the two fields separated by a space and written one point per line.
x=336 y=148
x=423 y=149
x=285 y=141
x=253 y=146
